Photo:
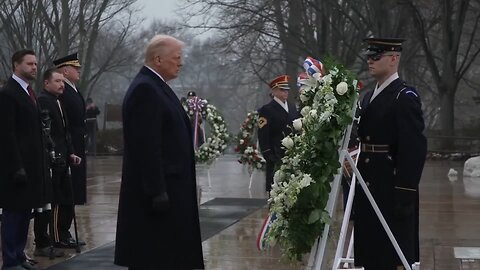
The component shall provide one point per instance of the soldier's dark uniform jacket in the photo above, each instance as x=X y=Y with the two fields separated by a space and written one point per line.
x=274 y=123
x=74 y=105
x=391 y=162
x=62 y=190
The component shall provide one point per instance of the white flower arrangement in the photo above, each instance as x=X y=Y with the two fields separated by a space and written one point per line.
x=302 y=184
x=215 y=145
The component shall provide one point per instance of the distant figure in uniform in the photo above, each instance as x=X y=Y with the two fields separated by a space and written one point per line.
x=74 y=105
x=158 y=224
x=393 y=151
x=91 y=113
x=274 y=123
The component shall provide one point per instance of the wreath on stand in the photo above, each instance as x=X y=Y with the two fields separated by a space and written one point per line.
x=302 y=184
x=215 y=145
x=246 y=144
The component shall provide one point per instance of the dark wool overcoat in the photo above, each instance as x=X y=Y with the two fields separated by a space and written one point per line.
x=21 y=146
x=74 y=106
x=393 y=118
x=158 y=157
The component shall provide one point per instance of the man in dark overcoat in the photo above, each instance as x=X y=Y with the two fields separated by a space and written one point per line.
x=393 y=151
x=158 y=223
x=61 y=155
x=74 y=105
x=22 y=160
x=274 y=123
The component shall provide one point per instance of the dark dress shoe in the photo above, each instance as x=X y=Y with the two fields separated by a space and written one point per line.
x=47 y=251
x=62 y=244
x=28 y=266
x=71 y=240
x=69 y=243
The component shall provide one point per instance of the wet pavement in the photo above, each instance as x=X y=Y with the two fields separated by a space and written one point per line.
x=449 y=216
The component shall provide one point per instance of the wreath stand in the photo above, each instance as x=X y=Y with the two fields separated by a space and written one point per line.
x=318 y=251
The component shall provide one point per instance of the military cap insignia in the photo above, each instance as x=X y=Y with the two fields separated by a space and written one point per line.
x=262 y=121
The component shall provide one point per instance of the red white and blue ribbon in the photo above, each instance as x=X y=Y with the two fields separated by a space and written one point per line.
x=302 y=79
x=261 y=239
x=196 y=104
x=313 y=66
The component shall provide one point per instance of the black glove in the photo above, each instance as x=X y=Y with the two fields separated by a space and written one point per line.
x=20 y=178
x=160 y=203
x=404 y=203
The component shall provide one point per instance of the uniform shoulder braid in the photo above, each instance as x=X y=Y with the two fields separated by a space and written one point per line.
x=406 y=90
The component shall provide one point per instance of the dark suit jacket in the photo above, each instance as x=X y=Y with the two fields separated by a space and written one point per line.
x=21 y=146
x=74 y=106
x=274 y=124
x=158 y=157
x=47 y=102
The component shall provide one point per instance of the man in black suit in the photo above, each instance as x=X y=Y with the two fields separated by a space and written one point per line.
x=74 y=106
x=393 y=151
x=61 y=155
x=274 y=123
x=22 y=160
x=158 y=223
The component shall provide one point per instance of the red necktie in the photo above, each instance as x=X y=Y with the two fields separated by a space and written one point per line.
x=31 y=93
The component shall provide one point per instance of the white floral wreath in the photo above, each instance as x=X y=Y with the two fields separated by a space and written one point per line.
x=215 y=145
x=246 y=145
x=302 y=184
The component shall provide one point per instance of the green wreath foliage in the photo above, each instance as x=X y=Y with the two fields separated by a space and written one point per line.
x=302 y=184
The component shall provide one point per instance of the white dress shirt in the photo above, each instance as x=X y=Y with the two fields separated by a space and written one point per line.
x=283 y=104
x=22 y=83
x=379 y=89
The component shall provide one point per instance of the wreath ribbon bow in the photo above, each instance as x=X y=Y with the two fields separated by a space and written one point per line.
x=197 y=105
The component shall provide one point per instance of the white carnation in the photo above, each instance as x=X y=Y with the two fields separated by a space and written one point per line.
x=297 y=124
x=342 y=88
x=287 y=142
x=305 y=110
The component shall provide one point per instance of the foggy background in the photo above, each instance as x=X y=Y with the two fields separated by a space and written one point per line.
x=235 y=47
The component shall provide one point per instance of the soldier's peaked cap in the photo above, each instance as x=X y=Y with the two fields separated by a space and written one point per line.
x=381 y=45
x=280 y=82
x=69 y=60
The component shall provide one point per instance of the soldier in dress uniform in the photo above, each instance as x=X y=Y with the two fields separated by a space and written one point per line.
x=393 y=151
x=274 y=123
x=74 y=106
x=61 y=154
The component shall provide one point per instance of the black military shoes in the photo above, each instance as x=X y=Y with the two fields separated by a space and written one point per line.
x=69 y=243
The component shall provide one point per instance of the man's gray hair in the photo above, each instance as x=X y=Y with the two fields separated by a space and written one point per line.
x=160 y=45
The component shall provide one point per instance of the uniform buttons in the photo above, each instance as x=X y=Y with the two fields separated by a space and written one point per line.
x=367 y=138
x=368 y=184
x=367 y=160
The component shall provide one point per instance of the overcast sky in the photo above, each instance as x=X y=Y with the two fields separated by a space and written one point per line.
x=161 y=9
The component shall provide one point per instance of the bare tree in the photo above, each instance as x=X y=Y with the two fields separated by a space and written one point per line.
x=58 y=27
x=448 y=33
